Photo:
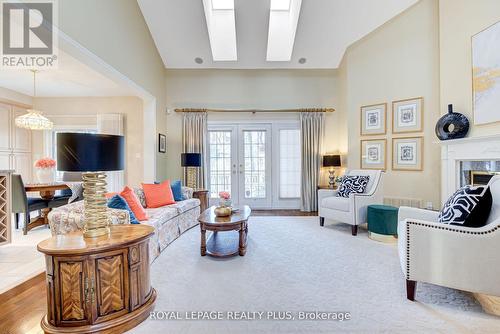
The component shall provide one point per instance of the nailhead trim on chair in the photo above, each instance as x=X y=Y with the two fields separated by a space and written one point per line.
x=439 y=228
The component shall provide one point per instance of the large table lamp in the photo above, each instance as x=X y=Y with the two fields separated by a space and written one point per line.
x=191 y=161
x=331 y=161
x=92 y=155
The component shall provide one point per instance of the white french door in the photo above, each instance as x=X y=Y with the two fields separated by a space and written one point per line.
x=254 y=165
x=239 y=162
x=257 y=163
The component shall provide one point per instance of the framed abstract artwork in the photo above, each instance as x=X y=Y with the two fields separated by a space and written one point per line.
x=162 y=143
x=373 y=119
x=407 y=153
x=407 y=115
x=373 y=154
x=486 y=75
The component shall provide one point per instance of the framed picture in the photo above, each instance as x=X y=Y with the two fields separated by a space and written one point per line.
x=373 y=154
x=486 y=75
x=373 y=119
x=407 y=115
x=407 y=153
x=162 y=143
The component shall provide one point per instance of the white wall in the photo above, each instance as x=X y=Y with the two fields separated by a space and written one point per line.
x=397 y=61
x=73 y=111
x=246 y=89
x=115 y=31
x=459 y=21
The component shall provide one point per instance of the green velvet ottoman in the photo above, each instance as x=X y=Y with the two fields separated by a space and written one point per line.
x=382 y=223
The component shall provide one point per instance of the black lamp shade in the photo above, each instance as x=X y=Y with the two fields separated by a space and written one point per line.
x=331 y=160
x=190 y=159
x=86 y=152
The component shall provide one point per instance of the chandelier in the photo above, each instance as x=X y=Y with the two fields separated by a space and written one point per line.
x=34 y=120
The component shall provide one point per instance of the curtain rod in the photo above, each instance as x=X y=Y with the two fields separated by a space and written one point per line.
x=253 y=111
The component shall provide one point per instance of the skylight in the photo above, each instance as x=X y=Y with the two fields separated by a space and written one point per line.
x=280 y=4
x=222 y=4
x=221 y=27
x=283 y=19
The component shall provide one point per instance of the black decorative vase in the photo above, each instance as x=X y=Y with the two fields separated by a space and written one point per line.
x=453 y=125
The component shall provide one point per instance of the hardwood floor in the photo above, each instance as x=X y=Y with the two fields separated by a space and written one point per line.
x=282 y=213
x=22 y=308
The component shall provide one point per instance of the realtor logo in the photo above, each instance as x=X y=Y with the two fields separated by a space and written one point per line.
x=29 y=39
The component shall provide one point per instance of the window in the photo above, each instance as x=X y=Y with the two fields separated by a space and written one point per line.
x=255 y=163
x=290 y=163
x=220 y=162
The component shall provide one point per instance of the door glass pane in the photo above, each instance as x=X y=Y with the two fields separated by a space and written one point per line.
x=290 y=163
x=220 y=162
x=254 y=154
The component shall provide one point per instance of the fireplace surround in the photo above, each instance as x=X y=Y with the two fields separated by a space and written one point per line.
x=467 y=161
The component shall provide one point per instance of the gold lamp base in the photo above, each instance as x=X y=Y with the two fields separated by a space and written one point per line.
x=191 y=177
x=96 y=219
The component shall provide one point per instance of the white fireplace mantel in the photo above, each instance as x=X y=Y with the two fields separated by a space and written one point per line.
x=471 y=148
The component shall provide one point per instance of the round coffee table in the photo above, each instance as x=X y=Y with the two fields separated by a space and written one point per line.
x=234 y=239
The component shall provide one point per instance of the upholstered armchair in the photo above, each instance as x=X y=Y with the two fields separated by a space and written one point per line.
x=453 y=256
x=351 y=210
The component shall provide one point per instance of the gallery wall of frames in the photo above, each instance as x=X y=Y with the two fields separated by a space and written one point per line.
x=406 y=140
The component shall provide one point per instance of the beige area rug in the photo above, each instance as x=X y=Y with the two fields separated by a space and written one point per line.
x=293 y=265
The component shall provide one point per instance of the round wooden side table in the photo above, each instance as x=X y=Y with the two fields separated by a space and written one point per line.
x=98 y=284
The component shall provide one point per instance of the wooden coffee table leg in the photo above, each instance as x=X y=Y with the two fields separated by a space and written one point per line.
x=203 y=246
x=243 y=247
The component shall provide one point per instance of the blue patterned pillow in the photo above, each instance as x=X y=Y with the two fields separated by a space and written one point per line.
x=118 y=202
x=176 y=187
x=353 y=185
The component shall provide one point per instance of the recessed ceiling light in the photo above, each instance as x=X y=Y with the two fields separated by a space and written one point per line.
x=302 y=60
x=221 y=27
x=282 y=29
x=198 y=60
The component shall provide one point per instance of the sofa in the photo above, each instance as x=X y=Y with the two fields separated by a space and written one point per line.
x=168 y=221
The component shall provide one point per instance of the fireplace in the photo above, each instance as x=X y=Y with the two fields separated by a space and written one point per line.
x=478 y=172
x=472 y=160
x=479 y=178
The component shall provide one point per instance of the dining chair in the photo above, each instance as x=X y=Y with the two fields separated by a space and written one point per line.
x=21 y=203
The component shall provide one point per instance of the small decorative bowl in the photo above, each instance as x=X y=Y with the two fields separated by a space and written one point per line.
x=222 y=211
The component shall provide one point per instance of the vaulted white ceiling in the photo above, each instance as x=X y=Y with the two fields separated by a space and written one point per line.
x=72 y=78
x=325 y=29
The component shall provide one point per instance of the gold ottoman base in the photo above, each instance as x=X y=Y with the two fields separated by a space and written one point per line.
x=388 y=239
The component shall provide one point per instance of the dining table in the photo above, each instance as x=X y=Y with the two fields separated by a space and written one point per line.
x=47 y=192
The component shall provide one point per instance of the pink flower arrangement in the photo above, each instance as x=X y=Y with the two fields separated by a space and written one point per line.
x=45 y=163
x=225 y=195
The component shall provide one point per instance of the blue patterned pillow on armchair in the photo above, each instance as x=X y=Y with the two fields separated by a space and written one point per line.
x=353 y=184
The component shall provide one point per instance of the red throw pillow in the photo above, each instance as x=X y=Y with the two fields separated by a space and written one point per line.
x=134 y=203
x=158 y=195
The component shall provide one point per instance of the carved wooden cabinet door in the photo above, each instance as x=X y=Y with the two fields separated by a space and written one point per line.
x=71 y=292
x=109 y=278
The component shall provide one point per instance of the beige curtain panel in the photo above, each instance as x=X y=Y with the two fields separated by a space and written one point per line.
x=312 y=125
x=194 y=140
